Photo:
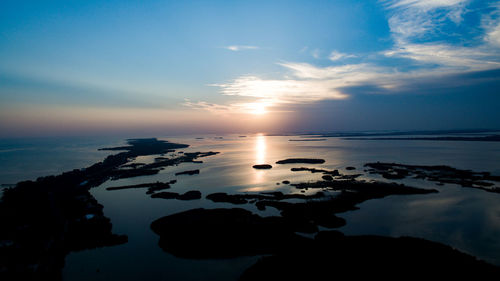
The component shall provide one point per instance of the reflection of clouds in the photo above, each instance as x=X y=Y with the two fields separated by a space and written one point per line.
x=432 y=204
x=466 y=219
x=257 y=189
x=492 y=213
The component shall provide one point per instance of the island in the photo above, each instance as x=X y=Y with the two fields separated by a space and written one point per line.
x=44 y=220
x=262 y=166
x=438 y=173
x=301 y=161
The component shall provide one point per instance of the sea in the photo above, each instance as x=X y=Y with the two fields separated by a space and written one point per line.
x=466 y=219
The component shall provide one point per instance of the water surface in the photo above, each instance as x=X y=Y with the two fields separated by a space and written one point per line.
x=464 y=218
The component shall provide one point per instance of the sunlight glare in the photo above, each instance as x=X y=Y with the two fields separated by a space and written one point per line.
x=260 y=149
x=256 y=108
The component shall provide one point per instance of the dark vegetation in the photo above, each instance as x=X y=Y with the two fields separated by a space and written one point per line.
x=301 y=161
x=222 y=233
x=229 y=233
x=328 y=174
x=189 y=195
x=331 y=254
x=190 y=172
x=262 y=166
x=152 y=187
x=43 y=220
x=246 y=198
x=320 y=209
x=441 y=174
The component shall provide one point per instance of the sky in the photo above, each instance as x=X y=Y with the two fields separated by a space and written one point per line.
x=186 y=67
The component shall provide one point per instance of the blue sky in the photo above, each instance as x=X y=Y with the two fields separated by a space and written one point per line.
x=69 y=67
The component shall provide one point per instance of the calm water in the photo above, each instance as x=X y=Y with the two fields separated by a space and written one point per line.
x=464 y=218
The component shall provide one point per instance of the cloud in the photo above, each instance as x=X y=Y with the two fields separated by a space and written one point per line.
x=449 y=57
x=335 y=56
x=414 y=21
x=417 y=28
x=259 y=106
x=315 y=53
x=236 y=48
x=493 y=35
x=423 y=4
x=281 y=91
x=491 y=23
x=211 y=107
x=418 y=18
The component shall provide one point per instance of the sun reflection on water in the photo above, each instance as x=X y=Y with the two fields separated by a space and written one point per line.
x=260 y=149
x=260 y=157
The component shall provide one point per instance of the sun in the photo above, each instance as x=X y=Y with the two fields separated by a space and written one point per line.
x=256 y=108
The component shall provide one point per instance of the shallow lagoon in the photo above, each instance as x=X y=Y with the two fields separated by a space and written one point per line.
x=464 y=218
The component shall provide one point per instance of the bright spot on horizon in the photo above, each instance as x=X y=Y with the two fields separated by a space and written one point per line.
x=256 y=108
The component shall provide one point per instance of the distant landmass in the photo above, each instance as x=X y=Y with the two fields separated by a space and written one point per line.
x=391 y=133
x=483 y=138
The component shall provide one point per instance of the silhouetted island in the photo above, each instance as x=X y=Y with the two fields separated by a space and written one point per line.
x=223 y=233
x=189 y=195
x=310 y=214
x=152 y=187
x=262 y=166
x=227 y=233
x=314 y=170
x=331 y=253
x=44 y=220
x=244 y=198
x=334 y=174
x=157 y=185
x=190 y=172
x=441 y=174
x=301 y=161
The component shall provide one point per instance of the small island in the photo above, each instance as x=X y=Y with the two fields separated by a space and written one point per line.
x=262 y=166
x=301 y=161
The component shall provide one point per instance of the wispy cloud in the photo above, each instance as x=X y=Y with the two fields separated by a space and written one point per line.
x=416 y=18
x=448 y=57
x=414 y=21
x=316 y=53
x=259 y=106
x=336 y=55
x=236 y=48
x=280 y=91
x=423 y=4
x=491 y=23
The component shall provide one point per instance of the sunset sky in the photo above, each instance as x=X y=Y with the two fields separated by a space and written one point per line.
x=174 y=67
